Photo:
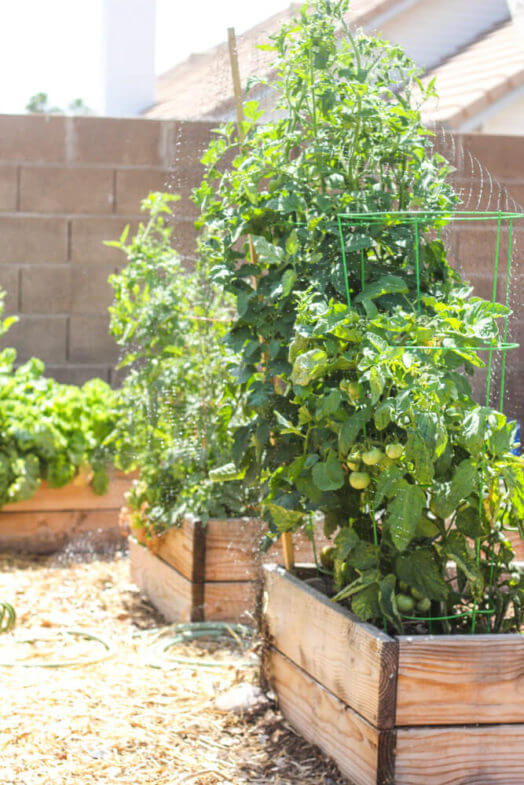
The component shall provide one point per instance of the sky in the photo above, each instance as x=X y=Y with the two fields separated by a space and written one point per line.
x=52 y=46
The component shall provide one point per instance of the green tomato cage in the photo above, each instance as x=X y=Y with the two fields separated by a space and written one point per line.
x=419 y=223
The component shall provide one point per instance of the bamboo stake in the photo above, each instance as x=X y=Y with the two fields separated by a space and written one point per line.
x=239 y=107
x=287 y=538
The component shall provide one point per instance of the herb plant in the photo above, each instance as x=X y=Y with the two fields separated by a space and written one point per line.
x=48 y=431
x=178 y=407
x=385 y=440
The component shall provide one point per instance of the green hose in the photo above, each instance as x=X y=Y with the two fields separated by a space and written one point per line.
x=7 y=616
x=183 y=633
x=67 y=663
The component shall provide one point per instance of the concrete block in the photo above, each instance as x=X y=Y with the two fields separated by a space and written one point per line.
x=183 y=238
x=60 y=189
x=46 y=289
x=8 y=187
x=38 y=336
x=133 y=185
x=91 y=292
x=90 y=341
x=89 y=234
x=187 y=142
x=477 y=248
x=10 y=284
x=517 y=192
x=502 y=156
x=36 y=138
x=33 y=239
x=117 y=141
x=77 y=374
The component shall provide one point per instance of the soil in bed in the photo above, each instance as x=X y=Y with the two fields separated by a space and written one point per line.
x=114 y=719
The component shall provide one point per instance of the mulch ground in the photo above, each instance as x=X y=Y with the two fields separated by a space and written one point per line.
x=108 y=716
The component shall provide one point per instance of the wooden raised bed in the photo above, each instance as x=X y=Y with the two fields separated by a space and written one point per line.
x=211 y=572
x=55 y=516
x=410 y=710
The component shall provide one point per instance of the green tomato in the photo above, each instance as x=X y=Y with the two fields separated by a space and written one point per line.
x=424 y=605
x=327 y=557
x=405 y=603
x=417 y=594
x=354 y=465
x=394 y=451
x=403 y=587
x=372 y=457
x=385 y=462
x=344 y=573
x=359 y=480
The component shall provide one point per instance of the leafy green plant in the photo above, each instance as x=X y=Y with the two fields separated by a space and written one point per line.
x=179 y=407
x=48 y=431
x=388 y=442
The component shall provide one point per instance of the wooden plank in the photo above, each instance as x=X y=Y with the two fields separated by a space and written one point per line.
x=45 y=532
x=233 y=549
x=445 y=680
x=487 y=755
x=355 y=661
x=231 y=601
x=168 y=591
x=74 y=497
x=184 y=548
x=363 y=753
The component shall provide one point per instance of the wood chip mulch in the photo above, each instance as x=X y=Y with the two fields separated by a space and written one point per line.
x=114 y=720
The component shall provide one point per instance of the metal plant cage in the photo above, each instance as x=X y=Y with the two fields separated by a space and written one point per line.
x=419 y=224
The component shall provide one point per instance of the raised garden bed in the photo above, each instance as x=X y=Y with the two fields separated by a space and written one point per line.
x=55 y=516
x=206 y=572
x=447 y=710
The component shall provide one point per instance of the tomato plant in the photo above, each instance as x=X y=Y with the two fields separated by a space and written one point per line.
x=178 y=404
x=385 y=440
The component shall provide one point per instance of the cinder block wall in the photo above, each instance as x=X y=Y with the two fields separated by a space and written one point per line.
x=66 y=185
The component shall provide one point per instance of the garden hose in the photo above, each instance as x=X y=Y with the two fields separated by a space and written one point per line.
x=7 y=616
x=66 y=663
x=183 y=633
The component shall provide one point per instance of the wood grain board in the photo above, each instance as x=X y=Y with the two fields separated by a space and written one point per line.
x=355 y=661
x=167 y=589
x=460 y=678
x=232 y=549
x=55 y=516
x=184 y=548
x=231 y=601
x=74 y=497
x=363 y=753
x=487 y=755
x=459 y=716
x=44 y=532
x=180 y=599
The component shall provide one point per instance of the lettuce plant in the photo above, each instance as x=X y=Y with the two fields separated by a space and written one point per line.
x=48 y=430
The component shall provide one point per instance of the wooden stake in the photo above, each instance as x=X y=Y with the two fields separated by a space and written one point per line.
x=287 y=539
x=289 y=551
x=237 y=86
x=239 y=106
